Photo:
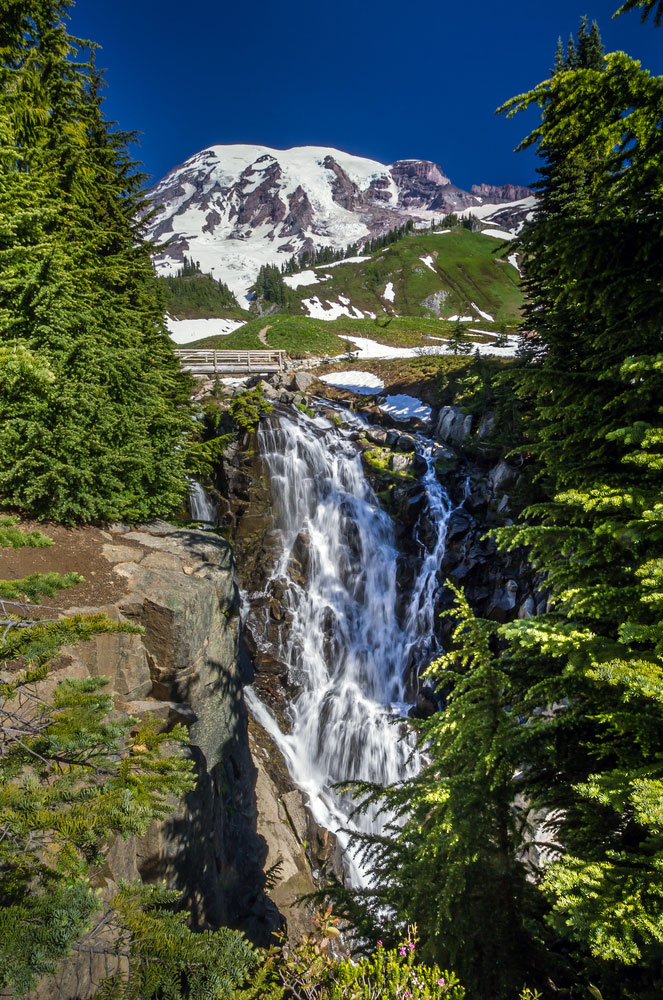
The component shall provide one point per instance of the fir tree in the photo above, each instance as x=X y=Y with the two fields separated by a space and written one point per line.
x=585 y=676
x=648 y=7
x=447 y=859
x=458 y=340
x=595 y=50
x=93 y=406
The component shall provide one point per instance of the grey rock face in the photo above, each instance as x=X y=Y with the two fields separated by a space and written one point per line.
x=452 y=426
x=436 y=301
x=185 y=667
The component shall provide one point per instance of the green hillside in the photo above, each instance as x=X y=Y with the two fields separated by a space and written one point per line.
x=301 y=335
x=464 y=267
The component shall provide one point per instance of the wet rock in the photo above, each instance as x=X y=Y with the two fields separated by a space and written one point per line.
x=460 y=523
x=377 y=435
x=300 y=553
x=402 y=463
x=425 y=705
x=527 y=609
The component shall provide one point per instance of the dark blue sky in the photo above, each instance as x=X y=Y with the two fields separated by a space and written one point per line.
x=386 y=79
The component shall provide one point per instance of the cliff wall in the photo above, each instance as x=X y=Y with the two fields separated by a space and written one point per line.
x=186 y=667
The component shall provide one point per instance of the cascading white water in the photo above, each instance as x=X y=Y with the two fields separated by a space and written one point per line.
x=346 y=647
x=201 y=507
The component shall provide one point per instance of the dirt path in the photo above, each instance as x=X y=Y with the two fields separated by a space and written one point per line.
x=263 y=334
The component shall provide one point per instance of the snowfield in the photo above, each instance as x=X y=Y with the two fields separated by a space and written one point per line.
x=498 y=234
x=402 y=407
x=185 y=331
x=429 y=262
x=371 y=349
x=364 y=383
x=346 y=260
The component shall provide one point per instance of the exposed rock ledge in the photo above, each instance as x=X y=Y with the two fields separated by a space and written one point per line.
x=188 y=666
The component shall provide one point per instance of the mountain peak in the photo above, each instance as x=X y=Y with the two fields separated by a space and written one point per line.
x=236 y=207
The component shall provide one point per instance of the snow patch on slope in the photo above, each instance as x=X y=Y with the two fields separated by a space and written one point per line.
x=185 y=331
x=364 y=383
x=389 y=293
x=484 y=315
x=334 y=310
x=301 y=279
x=402 y=407
x=499 y=234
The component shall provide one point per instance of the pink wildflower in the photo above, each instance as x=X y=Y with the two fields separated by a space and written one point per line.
x=379 y=944
x=411 y=946
x=440 y=982
x=403 y=951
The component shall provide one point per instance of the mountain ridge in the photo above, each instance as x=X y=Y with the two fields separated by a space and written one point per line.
x=237 y=207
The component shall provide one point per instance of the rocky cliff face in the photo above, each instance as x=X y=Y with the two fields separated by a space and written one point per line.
x=186 y=667
x=495 y=195
x=234 y=208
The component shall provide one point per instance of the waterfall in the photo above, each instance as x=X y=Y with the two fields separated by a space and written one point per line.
x=201 y=507
x=351 y=633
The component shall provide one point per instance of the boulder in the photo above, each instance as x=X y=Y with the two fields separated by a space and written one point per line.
x=453 y=426
x=377 y=435
x=503 y=602
x=401 y=462
x=486 y=424
x=301 y=382
x=500 y=476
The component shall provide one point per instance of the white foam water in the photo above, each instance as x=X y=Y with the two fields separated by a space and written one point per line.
x=201 y=507
x=348 y=648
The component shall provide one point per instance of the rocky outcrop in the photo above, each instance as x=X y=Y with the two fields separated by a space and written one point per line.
x=186 y=667
x=494 y=194
x=453 y=426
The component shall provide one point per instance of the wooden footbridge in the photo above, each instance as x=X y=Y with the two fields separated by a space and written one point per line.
x=231 y=362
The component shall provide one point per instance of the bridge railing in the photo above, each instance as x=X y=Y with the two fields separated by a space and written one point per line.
x=231 y=361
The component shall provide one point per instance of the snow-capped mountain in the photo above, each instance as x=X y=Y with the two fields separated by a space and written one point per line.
x=234 y=208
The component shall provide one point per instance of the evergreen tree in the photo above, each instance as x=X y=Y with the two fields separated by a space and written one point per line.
x=447 y=859
x=586 y=675
x=458 y=340
x=571 y=60
x=582 y=45
x=92 y=404
x=271 y=287
x=648 y=7
x=595 y=50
